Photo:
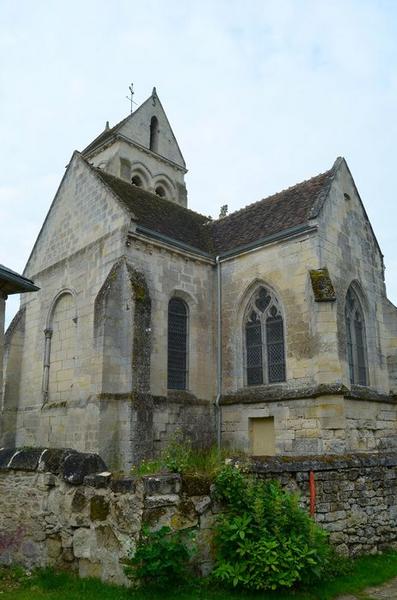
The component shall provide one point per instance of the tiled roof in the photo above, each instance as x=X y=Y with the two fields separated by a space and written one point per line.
x=160 y=215
x=287 y=209
x=276 y=214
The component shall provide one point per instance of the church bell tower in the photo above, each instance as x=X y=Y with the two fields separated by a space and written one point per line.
x=143 y=150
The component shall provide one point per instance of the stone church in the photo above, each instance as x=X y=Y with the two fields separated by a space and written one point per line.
x=268 y=329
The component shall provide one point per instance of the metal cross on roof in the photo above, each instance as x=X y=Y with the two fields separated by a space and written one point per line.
x=131 y=97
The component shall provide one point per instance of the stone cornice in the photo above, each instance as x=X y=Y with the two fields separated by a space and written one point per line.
x=277 y=393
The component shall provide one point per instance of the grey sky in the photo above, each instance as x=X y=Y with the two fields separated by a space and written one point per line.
x=260 y=95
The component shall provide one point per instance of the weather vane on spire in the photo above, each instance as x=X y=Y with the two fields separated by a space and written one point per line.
x=131 y=97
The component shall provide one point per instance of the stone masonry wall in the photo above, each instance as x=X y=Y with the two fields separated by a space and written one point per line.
x=355 y=496
x=62 y=508
x=332 y=423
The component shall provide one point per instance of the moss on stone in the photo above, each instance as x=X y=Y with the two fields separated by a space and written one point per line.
x=152 y=515
x=139 y=292
x=196 y=484
x=79 y=501
x=322 y=286
x=186 y=508
x=99 y=508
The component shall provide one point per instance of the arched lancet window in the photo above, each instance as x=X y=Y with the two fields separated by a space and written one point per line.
x=264 y=339
x=154 y=134
x=177 y=344
x=355 y=338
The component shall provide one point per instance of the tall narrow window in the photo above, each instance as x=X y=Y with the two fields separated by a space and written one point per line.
x=355 y=339
x=177 y=344
x=264 y=339
x=154 y=134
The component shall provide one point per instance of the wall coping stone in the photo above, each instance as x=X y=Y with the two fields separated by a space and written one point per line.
x=5 y=456
x=280 y=464
x=69 y=464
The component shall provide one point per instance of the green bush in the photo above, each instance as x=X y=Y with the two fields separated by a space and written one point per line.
x=264 y=540
x=161 y=558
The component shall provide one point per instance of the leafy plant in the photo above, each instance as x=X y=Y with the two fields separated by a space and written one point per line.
x=161 y=558
x=178 y=453
x=264 y=540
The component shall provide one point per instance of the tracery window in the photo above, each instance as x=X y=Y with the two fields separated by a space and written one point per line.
x=355 y=337
x=177 y=344
x=264 y=339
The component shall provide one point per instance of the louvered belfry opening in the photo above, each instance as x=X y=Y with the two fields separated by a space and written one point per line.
x=355 y=339
x=177 y=344
x=264 y=339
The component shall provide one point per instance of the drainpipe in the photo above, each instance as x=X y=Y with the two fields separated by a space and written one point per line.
x=219 y=355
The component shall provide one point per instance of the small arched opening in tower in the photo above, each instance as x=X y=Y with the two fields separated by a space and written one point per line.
x=160 y=191
x=154 y=134
x=136 y=180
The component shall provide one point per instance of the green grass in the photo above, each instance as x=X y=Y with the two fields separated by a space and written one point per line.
x=180 y=457
x=49 y=585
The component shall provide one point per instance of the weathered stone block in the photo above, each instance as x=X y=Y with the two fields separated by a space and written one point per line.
x=98 y=480
x=76 y=466
x=163 y=500
x=201 y=503
x=84 y=543
x=123 y=486
x=162 y=484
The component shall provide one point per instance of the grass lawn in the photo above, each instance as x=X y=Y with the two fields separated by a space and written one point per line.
x=48 y=585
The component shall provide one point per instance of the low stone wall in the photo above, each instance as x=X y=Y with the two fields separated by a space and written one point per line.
x=355 y=496
x=63 y=508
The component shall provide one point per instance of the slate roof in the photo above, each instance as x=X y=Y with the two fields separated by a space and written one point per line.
x=13 y=283
x=277 y=214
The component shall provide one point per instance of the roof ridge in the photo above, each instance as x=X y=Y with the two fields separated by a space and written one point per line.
x=109 y=132
x=323 y=195
x=273 y=196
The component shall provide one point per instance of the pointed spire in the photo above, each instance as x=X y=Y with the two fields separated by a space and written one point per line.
x=154 y=96
x=107 y=126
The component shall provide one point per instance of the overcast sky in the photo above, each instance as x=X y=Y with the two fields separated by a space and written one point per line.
x=260 y=95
